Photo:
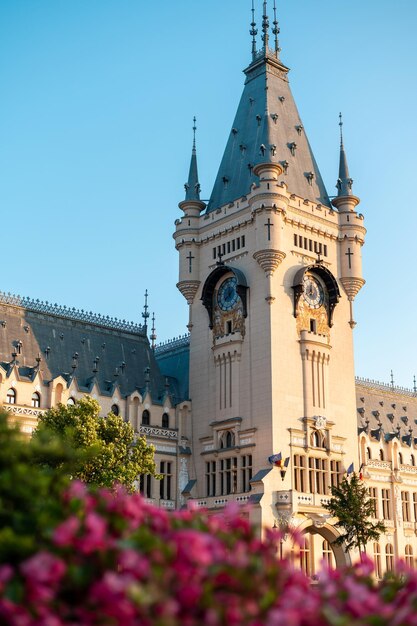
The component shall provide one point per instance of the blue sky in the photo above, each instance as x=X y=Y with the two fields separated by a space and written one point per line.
x=97 y=100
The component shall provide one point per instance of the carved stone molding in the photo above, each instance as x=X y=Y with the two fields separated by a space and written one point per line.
x=352 y=286
x=188 y=289
x=269 y=260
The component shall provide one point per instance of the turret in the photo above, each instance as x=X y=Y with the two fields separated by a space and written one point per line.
x=186 y=232
x=351 y=229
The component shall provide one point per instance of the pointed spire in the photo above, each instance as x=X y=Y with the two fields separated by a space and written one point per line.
x=415 y=384
x=153 y=334
x=145 y=313
x=344 y=182
x=253 y=32
x=265 y=28
x=192 y=186
x=276 y=31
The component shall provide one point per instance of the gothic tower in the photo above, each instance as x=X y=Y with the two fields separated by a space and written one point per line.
x=270 y=268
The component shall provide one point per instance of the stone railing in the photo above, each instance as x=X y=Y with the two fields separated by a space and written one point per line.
x=217 y=502
x=154 y=431
x=17 y=409
x=171 y=344
x=410 y=469
x=375 y=384
x=74 y=314
x=377 y=464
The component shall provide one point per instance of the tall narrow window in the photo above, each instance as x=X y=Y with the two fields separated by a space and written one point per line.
x=386 y=503
x=11 y=396
x=165 y=484
x=405 y=502
x=165 y=420
x=389 y=557
x=415 y=505
x=409 y=559
x=377 y=560
x=146 y=418
x=115 y=409
x=300 y=482
x=305 y=560
x=317 y=469
x=373 y=496
x=36 y=400
x=211 y=478
x=335 y=473
x=145 y=485
x=246 y=472
x=327 y=553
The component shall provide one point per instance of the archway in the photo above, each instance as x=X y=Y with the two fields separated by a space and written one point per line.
x=320 y=540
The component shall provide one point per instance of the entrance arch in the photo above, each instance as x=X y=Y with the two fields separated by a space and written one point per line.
x=317 y=532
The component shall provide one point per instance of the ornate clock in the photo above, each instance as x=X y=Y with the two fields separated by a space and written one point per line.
x=313 y=293
x=227 y=296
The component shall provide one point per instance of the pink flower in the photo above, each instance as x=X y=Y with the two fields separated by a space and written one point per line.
x=64 y=534
x=43 y=568
x=94 y=535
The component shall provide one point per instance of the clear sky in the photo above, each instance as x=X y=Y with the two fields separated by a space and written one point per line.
x=96 y=107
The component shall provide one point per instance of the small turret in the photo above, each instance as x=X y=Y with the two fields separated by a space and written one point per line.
x=186 y=232
x=351 y=229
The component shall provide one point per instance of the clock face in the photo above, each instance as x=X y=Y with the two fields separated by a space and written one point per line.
x=227 y=295
x=313 y=292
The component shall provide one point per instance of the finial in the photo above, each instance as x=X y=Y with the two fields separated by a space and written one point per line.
x=415 y=384
x=153 y=335
x=275 y=31
x=192 y=186
x=392 y=378
x=145 y=313
x=265 y=27
x=253 y=31
x=341 y=129
x=194 y=129
x=344 y=182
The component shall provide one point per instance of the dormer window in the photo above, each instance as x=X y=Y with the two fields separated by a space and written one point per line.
x=36 y=400
x=11 y=396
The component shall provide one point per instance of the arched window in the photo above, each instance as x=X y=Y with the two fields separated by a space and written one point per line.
x=115 y=409
x=377 y=560
x=409 y=556
x=227 y=440
x=36 y=400
x=165 y=420
x=70 y=402
x=381 y=455
x=11 y=396
x=368 y=454
x=58 y=393
x=389 y=557
x=400 y=458
x=146 y=418
x=412 y=460
x=317 y=440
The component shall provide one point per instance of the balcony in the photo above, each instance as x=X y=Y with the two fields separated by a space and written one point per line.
x=219 y=502
x=377 y=464
x=155 y=431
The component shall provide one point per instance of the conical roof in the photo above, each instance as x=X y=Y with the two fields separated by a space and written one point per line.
x=267 y=126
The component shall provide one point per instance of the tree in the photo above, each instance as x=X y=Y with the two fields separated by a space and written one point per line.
x=112 y=452
x=30 y=490
x=353 y=507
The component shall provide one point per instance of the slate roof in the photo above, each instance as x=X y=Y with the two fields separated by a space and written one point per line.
x=267 y=112
x=75 y=345
x=386 y=412
x=173 y=358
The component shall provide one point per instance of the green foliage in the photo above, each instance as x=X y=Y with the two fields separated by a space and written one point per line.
x=353 y=507
x=113 y=453
x=30 y=491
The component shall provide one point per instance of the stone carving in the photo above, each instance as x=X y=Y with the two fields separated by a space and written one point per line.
x=320 y=422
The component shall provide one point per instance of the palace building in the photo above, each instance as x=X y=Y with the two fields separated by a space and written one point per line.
x=259 y=403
